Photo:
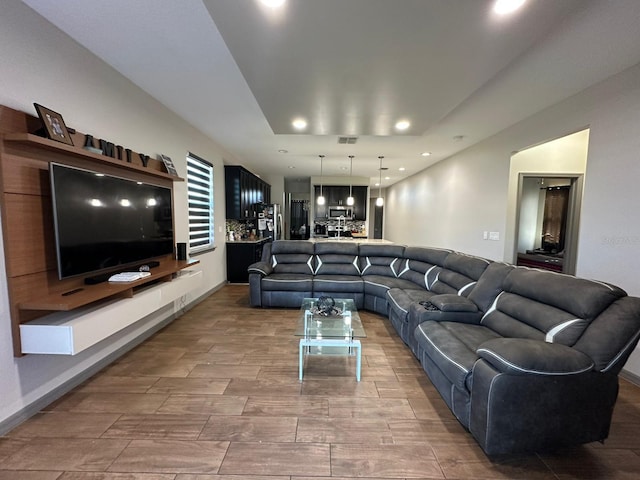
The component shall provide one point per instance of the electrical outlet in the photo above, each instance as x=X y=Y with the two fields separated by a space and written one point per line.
x=485 y=235
x=494 y=235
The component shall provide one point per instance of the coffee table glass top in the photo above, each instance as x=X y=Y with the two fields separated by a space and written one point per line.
x=343 y=322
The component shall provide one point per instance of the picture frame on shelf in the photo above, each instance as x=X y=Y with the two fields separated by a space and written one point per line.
x=53 y=124
x=168 y=164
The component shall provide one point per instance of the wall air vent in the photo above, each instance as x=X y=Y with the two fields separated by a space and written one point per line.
x=347 y=140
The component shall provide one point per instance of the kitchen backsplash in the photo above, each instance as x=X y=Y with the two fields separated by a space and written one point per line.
x=354 y=225
x=242 y=228
x=238 y=227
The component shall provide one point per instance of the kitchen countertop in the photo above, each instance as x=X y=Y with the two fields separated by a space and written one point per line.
x=323 y=239
x=351 y=239
x=257 y=240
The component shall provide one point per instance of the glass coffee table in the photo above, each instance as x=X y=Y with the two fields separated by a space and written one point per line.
x=330 y=327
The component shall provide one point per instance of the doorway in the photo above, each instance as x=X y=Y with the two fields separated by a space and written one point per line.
x=299 y=220
x=378 y=212
x=547 y=224
x=376 y=220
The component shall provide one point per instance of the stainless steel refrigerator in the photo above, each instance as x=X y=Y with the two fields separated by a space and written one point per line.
x=270 y=221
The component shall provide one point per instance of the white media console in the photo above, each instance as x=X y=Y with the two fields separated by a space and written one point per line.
x=68 y=333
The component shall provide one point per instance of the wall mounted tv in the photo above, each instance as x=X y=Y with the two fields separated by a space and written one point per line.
x=102 y=221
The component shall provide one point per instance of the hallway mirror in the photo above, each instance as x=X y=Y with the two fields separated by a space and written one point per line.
x=547 y=226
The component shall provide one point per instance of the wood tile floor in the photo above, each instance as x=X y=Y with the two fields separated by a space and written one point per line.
x=215 y=396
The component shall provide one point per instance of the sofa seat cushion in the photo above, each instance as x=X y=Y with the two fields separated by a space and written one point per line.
x=521 y=356
x=338 y=283
x=400 y=300
x=378 y=285
x=292 y=282
x=452 y=346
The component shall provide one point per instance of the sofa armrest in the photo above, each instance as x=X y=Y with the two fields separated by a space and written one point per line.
x=450 y=302
x=257 y=271
x=262 y=268
x=445 y=308
x=520 y=356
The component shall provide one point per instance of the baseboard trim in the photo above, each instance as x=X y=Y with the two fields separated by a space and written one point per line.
x=36 y=406
x=630 y=377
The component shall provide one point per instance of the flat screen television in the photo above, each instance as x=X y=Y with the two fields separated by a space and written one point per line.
x=103 y=221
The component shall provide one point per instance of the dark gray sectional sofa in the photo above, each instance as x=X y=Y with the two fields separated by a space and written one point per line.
x=527 y=360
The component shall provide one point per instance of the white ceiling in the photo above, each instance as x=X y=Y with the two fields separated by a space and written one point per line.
x=240 y=72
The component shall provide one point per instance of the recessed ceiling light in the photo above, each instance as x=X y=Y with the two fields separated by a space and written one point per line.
x=377 y=184
x=282 y=150
x=387 y=178
x=299 y=124
x=291 y=167
x=402 y=125
x=504 y=7
x=401 y=169
x=273 y=3
x=426 y=154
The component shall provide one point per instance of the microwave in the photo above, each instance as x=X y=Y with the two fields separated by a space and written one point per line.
x=341 y=211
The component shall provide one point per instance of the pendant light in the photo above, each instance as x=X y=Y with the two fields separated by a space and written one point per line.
x=350 y=200
x=380 y=200
x=320 y=200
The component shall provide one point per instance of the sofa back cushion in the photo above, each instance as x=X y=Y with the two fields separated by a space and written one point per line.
x=548 y=306
x=612 y=336
x=336 y=258
x=421 y=265
x=459 y=274
x=380 y=259
x=490 y=285
x=292 y=256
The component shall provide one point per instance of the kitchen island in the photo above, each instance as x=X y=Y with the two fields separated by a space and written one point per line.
x=379 y=241
x=241 y=254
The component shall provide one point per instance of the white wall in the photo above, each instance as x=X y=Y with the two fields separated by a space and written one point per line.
x=277 y=188
x=470 y=192
x=452 y=203
x=41 y=64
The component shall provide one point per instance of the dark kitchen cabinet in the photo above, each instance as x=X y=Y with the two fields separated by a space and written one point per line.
x=243 y=190
x=320 y=210
x=360 y=202
x=337 y=195
x=239 y=256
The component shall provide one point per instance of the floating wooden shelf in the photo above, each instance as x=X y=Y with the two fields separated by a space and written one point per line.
x=30 y=139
